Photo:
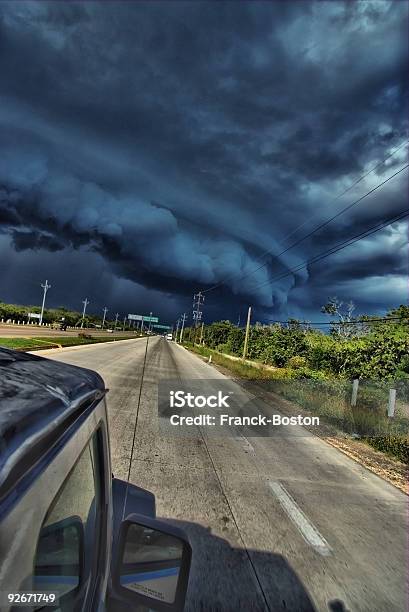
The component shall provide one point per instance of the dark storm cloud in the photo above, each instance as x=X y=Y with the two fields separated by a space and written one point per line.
x=182 y=141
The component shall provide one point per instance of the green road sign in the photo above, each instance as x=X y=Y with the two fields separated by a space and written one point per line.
x=144 y=318
x=150 y=319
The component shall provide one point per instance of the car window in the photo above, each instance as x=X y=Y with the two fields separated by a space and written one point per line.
x=67 y=547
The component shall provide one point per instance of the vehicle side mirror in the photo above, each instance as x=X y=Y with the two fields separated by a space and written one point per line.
x=153 y=564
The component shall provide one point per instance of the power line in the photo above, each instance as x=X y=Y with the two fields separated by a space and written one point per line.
x=320 y=226
x=335 y=249
x=354 y=322
x=325 y=223
x=361 y=178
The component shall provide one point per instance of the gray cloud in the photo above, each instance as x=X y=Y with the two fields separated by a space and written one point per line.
x=180 y=142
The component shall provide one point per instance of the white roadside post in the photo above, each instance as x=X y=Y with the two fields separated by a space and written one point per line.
x=355 y=385
x=392 y=402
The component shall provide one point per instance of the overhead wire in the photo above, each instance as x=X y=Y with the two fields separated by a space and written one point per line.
x=325 y=223
x=338 y=247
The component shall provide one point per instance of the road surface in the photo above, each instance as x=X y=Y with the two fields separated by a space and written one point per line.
x=276 y=524
x=34 y=331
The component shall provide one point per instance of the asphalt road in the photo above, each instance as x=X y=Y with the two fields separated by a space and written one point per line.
x=276 y=524
x=34 y=331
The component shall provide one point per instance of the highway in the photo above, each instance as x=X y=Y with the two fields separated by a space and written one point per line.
x=275 y=523
x=35 y=331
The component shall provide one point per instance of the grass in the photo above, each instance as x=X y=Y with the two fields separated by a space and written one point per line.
x=237 y=367
x=34 y=344
x=330 y=400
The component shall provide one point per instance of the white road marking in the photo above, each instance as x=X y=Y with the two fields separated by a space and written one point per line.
x=303 y=524
x=245 y=443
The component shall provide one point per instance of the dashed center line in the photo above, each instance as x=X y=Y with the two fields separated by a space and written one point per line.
x=310 y=534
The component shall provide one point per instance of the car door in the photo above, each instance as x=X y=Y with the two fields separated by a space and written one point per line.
x=68 y=547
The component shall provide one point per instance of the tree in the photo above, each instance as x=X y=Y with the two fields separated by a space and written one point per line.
x=336 y=308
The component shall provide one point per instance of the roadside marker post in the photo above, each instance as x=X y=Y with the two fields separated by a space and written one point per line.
x=355 y=385
x=391 y=403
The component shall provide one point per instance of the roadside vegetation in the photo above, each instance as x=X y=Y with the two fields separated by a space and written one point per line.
x=72 y=318
x=315 y=370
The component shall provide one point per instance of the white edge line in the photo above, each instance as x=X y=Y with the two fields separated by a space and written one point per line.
x=310 y=534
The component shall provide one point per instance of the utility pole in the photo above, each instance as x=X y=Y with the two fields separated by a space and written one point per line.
x=46 y=287
x=85 y=302
x=246 y=339
x=201 y=334
x=150 y=322
x=105 y=309
x=116 y=318
x=123 y=326
x=183 y=327
x=177 y=330
x=198 y=300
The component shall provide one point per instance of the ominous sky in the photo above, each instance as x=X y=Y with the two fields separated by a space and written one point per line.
x=150 y=150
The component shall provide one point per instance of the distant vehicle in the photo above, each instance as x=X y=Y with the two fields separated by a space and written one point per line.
x=72 y=536
x=110 y=331
x=169 y=336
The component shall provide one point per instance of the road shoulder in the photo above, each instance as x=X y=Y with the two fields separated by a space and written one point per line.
x=389 y=469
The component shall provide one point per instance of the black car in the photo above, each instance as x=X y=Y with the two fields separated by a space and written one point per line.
x=73 y=537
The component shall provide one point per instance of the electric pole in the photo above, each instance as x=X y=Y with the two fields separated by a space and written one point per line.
x=183 y=327
x=116 y=318
x=201 y=334
x=177 y=330
x=85 y=302
x=105 y=309
x=198 y=300
x=246 y=339
x=150 y=322
x=46 y=287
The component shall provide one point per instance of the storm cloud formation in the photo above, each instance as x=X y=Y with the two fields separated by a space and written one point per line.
x=163 y=148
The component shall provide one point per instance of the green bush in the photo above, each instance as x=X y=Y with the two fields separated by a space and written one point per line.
x=297 y=362
x=382 y=353
x=396 y=446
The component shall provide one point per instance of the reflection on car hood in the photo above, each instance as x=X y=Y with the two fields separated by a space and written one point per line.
x=36 y=395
